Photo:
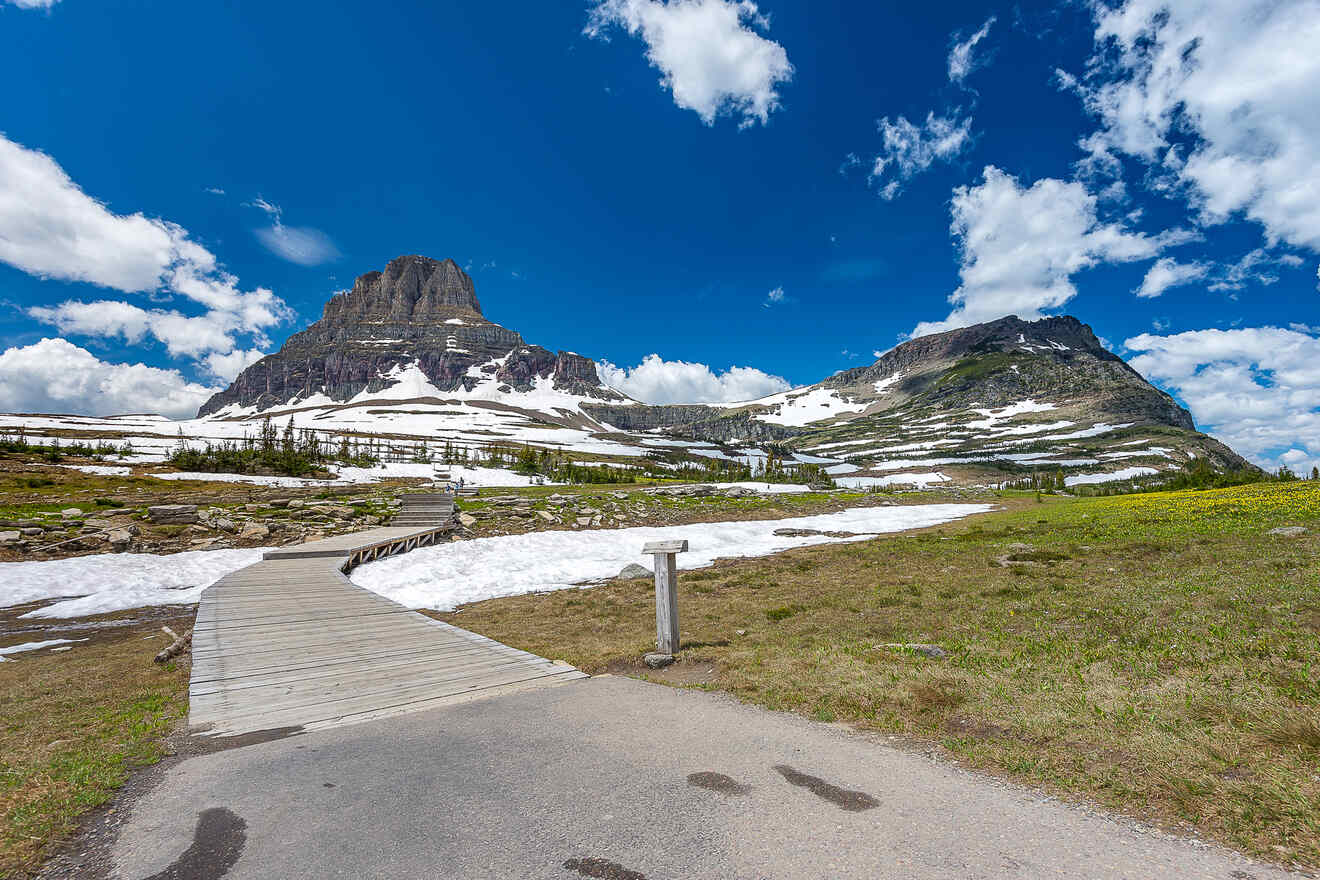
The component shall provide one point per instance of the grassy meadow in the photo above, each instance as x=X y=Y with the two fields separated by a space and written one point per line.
x=1158 y=654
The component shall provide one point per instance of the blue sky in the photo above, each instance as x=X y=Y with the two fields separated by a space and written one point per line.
x=183 y=185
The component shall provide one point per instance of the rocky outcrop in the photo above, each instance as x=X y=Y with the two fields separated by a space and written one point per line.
x=1005 y=361
x=695 y=421
x=417 y=311
x=411 y=290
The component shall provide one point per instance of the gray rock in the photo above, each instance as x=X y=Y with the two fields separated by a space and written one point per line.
x=32 y=531
x=120 y=539
x=1288 y=531
x=546 y=515
x=467 y=520
x=10 y=538
x=633 y=570
x=223 y=524
x=658 y=661
x=584 y=520
x=173 y=514
x=935 y=652
x=254 y=531
x=71 y=512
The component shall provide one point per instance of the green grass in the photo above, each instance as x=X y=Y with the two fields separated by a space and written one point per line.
x=72 y=727
x=1158 y=654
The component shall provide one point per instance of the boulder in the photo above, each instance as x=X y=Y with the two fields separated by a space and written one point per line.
x=71 y=512
x=9 y=539
x=120 y=539
x=546 y=515
x=1288 y=531
x=254 y=531
x=467 y=520
x=223 y=524
x=657 y=660
x=633 y=570
x=173 y=514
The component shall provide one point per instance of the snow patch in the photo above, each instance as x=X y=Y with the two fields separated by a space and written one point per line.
x=448 y=575
x=1124 y=474
x=110 y=582
x=35 y=646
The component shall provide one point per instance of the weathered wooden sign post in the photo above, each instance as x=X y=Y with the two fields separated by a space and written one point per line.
x=666 y=592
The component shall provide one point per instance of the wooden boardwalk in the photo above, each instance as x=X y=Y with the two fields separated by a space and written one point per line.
x=291 y=642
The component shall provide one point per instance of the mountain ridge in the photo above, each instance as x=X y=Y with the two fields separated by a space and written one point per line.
x=410 y=345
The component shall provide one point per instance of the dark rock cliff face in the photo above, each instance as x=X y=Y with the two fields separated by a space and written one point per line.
x=417 y=310
x=692 y=420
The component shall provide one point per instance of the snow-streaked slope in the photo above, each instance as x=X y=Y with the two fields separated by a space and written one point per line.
x=799 y=408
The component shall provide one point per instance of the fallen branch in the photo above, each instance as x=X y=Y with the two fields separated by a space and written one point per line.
x=180 y=644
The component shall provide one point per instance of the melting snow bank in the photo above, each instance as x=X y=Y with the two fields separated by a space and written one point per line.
x=921 y=481
x=34 y=646
x=117 y=581
x=1124 y=474
x=476 y=476
x=446 y=576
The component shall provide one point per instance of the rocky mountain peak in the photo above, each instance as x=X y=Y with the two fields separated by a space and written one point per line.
x=419 y=315
x=412 y=289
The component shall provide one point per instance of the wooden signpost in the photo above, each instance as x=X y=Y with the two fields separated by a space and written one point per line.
x=666 y=592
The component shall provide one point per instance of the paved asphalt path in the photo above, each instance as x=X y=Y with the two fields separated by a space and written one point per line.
x=616 y=778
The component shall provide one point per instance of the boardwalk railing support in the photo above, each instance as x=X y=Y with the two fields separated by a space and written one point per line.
x=666 y=592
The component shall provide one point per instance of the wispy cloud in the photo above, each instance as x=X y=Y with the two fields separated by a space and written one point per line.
x=961 y=58
x=297 y=244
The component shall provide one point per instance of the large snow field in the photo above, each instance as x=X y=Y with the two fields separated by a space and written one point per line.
x=448 y=575
x=110 y=582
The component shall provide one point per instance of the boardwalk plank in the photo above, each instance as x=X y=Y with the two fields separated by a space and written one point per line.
x=290 y=641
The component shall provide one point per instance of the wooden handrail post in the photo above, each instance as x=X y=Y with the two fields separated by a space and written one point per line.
x=666 y=592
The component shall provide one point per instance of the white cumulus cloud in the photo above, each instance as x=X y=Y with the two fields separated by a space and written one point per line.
x=1218 y=97
x=1019 y=247
x=709 y=53
x=1167 y=272
x=50 y=228
x=656 y=380
x=1257 y=389
x=227 y=366
x=33 y=4
x=54 y=375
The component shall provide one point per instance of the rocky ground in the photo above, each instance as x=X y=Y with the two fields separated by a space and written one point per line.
x=51 y=512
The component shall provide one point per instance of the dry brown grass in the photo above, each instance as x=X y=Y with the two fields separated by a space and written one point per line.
x=1166 y=667
x=72 y=726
